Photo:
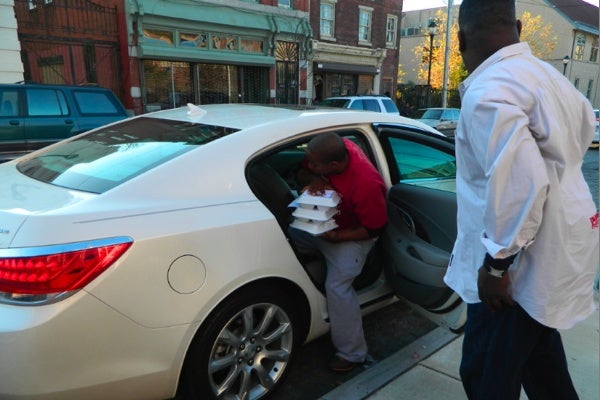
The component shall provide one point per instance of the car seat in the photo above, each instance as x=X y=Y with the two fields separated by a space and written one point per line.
x=273 y=191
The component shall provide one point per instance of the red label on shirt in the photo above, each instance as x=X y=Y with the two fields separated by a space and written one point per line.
x=594 y=221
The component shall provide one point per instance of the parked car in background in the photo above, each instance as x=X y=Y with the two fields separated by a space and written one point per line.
x=381 y=104
x=35 y=115
x=595 y=142
x=150 y=259
x=442 y=119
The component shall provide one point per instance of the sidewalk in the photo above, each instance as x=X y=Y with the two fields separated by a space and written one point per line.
x=428 y=368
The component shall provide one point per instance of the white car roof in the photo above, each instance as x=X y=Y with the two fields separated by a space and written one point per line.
x=245 y=116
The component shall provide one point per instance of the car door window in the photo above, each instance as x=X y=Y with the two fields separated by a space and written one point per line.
x=357 y=105
x=421 y=164
x=371 y=105
x=46 y=102
x=9 y=102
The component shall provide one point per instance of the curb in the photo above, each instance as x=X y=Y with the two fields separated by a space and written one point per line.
x=385 y=371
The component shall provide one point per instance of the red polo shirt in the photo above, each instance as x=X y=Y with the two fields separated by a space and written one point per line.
x=362 y=190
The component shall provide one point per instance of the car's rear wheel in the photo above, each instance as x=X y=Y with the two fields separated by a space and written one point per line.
x=244 y=349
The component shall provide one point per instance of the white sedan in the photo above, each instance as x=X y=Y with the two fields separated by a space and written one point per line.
x=149 y=259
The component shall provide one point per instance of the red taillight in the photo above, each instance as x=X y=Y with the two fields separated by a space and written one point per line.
x=57 y=272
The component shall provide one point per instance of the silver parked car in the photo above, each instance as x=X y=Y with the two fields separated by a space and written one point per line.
x=442 y=119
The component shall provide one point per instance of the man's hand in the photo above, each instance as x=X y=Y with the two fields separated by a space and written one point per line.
x=494 y=293
x=317 y=187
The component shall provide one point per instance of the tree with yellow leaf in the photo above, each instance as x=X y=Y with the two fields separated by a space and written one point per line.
x=538 y=34
x=535 y=31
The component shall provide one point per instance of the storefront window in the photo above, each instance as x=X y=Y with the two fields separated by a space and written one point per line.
x=171 y=84
x=252 y=46
x=168 y=84
x=193 y=40
x=158 y=36
x=225 y=43
x=341 y=85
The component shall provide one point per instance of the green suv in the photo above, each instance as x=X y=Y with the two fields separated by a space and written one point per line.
x=36 y=115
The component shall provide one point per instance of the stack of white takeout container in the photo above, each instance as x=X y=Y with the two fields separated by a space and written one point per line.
x=314 y=213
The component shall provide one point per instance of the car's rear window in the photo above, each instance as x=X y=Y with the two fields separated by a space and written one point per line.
x=105 y=158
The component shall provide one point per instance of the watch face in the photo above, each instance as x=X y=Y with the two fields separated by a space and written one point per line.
x=498 y=273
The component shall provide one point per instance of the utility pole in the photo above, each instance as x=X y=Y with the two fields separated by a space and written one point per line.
x=447 y=55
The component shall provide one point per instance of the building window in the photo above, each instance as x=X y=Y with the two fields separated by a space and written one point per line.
x=364 y=24
x=594 y=52
x=327 y=22
x=579 y=47
x=32 y=4
x=576 y=83
x=89 y=58
x=158 y=36
x=391 y=30
x=285 y=3
x=588 y=93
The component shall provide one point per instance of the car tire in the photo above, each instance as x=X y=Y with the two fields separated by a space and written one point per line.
x=244 y=349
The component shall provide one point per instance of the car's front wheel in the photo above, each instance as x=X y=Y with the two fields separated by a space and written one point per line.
x=243 y=350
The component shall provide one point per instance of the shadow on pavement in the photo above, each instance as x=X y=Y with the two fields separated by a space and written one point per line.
x=387 y=331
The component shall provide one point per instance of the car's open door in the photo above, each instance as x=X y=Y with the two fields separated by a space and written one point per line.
x=422 y=221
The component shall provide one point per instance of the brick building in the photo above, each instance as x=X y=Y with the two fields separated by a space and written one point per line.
x=354 y=47
x=218 y=51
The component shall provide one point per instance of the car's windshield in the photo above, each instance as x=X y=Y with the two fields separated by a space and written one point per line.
x=340 y=103
x=105 y=158
x=428 y=114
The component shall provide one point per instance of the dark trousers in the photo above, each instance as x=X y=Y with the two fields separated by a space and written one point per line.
x=505 y=350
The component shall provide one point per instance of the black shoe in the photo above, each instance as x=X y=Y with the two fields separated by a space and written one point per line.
x=339 y=364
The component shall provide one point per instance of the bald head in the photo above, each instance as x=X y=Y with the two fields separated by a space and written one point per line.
x=327 y=147
x=484 y=16
x=486 y=26
x=326 y=154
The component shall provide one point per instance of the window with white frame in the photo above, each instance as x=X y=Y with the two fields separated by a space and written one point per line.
x=579 y=47
x=327 y=19
x=391 y=30
x=32 y=4
x=364 y=24
x=594 y=52
x=285 y=3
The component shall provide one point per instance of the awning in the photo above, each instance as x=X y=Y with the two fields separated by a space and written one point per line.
x=347 y=68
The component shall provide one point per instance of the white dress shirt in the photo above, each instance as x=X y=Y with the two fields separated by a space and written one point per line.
x=520 y=142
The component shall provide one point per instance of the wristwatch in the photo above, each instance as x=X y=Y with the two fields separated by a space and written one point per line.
x=497 y=267
x=498 y=273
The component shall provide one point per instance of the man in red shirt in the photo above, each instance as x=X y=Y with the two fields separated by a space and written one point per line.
x=339 y=164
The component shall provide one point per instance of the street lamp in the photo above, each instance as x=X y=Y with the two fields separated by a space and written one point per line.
x=432 y=29
x=566 y=60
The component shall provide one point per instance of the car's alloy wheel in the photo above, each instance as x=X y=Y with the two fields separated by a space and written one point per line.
x=244 y=350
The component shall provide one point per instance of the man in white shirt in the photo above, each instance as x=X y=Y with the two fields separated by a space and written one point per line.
x=527 y=246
